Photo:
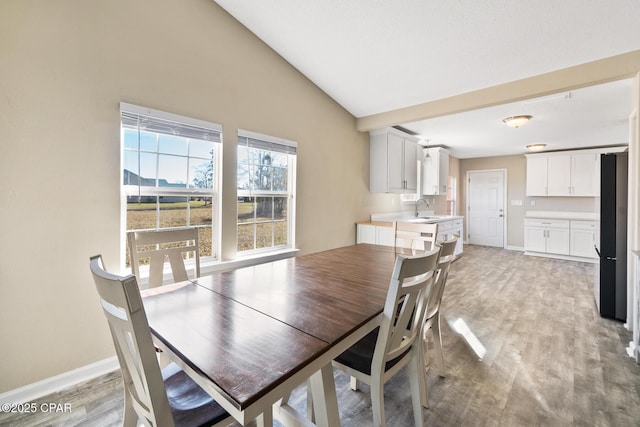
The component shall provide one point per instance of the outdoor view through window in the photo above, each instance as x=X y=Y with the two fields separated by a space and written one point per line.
x=169 y=176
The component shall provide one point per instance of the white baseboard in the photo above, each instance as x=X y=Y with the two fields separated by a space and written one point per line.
x=56 y=383
x=514 y=248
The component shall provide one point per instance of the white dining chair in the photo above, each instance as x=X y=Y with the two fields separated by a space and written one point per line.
x=157 y=246
x=152 y=396
x=397 y=342
x=434 y=299
x=415 y=236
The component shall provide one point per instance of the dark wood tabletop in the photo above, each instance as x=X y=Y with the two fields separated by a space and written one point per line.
x=325 y=294
x=247 y=331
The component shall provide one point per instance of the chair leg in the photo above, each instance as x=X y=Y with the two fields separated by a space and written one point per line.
x=130 y=418
x=377 y=402
x=354 y=384
x=417 y=383
x=437 y=340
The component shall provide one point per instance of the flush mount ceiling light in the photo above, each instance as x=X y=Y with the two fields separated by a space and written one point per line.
x=516 y=121
x=536 y=147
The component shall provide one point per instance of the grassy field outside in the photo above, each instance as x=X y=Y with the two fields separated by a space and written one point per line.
x=267 y=230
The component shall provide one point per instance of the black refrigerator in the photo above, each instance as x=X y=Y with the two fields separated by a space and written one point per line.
x=611 y=280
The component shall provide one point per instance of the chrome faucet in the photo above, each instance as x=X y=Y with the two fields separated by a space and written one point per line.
x=418 y=202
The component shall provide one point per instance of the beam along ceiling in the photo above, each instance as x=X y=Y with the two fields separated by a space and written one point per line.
x=374 y=56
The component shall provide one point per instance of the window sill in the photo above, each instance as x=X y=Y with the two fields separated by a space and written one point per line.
x=246 y=261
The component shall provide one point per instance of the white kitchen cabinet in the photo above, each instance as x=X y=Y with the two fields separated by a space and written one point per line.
x=564 y=174
x=374 y=234
x=585 y=174
x=536 y=176
x=435 y=171
x=547 y=236
x=583 y=238
x=559 y=175
x=366 y=233
x=393 y=162
x=449 y=228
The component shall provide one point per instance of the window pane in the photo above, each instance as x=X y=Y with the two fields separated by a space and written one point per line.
x=148 y=141
x=262 y=178
x=141 y=215
x=280 y=208
x=130 y=166
x=246 y=209
x=130 y=139
x=244 y=182
x=169 y=144
x=264 y=235
x=201 y=214
x=280 y=179
x=173 y=211
x=202 y=149
x=281 y=231
x=245 y=237
x=148 y=169
x=200 y=173
x=243 y=155
x=172 y=171
x=279 y=159
x=264 y=208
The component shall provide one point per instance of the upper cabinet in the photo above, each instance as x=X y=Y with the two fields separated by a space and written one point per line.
x=567 y=173
x=393 y=161
x=435 y=171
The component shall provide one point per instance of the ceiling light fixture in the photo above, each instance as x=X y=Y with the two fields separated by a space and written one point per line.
x=536 y=147
x=516 y=121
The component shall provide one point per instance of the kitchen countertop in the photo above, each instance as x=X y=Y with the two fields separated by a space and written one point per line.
x=584 y=216
x=385 y=220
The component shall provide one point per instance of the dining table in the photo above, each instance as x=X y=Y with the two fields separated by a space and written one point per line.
x=251 y=335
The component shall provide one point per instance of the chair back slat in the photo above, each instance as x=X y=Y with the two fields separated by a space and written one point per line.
x=122 y=306
x=447 y=255
x=160 y=245
x=404 y=309
x=415 y=235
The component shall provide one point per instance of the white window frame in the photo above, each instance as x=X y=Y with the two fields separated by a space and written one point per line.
x=214 y=193
x=290 y=193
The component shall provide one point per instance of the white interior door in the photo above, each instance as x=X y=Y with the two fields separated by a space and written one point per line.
x=485 y=208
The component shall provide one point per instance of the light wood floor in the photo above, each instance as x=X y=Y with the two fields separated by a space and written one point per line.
x=550 y=359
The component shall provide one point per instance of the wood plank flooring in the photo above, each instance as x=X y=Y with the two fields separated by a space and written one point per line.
x=550 y=359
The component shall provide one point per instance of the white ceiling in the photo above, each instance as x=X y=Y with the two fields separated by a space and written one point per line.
x=373 y=56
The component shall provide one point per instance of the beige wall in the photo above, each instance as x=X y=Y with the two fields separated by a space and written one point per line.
x=64 y=68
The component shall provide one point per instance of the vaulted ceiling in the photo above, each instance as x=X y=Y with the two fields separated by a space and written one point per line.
x=380 y=59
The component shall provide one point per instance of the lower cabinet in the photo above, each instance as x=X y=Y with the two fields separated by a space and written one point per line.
x=560 y=237
x=374 y=235
x=381 y=235
x=583 y=238
x=547 y=236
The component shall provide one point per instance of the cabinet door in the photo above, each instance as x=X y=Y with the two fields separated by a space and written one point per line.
x=443 y=171
x=385 y=236
x=410 y=166
x=535 y=239
x=584 y=177
x=430 y=171
x=395 y=163
x=459 y=243
x=536 y=176
x=582 y=243
x=559 y=175
x=558 y=241
x=366 y=234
